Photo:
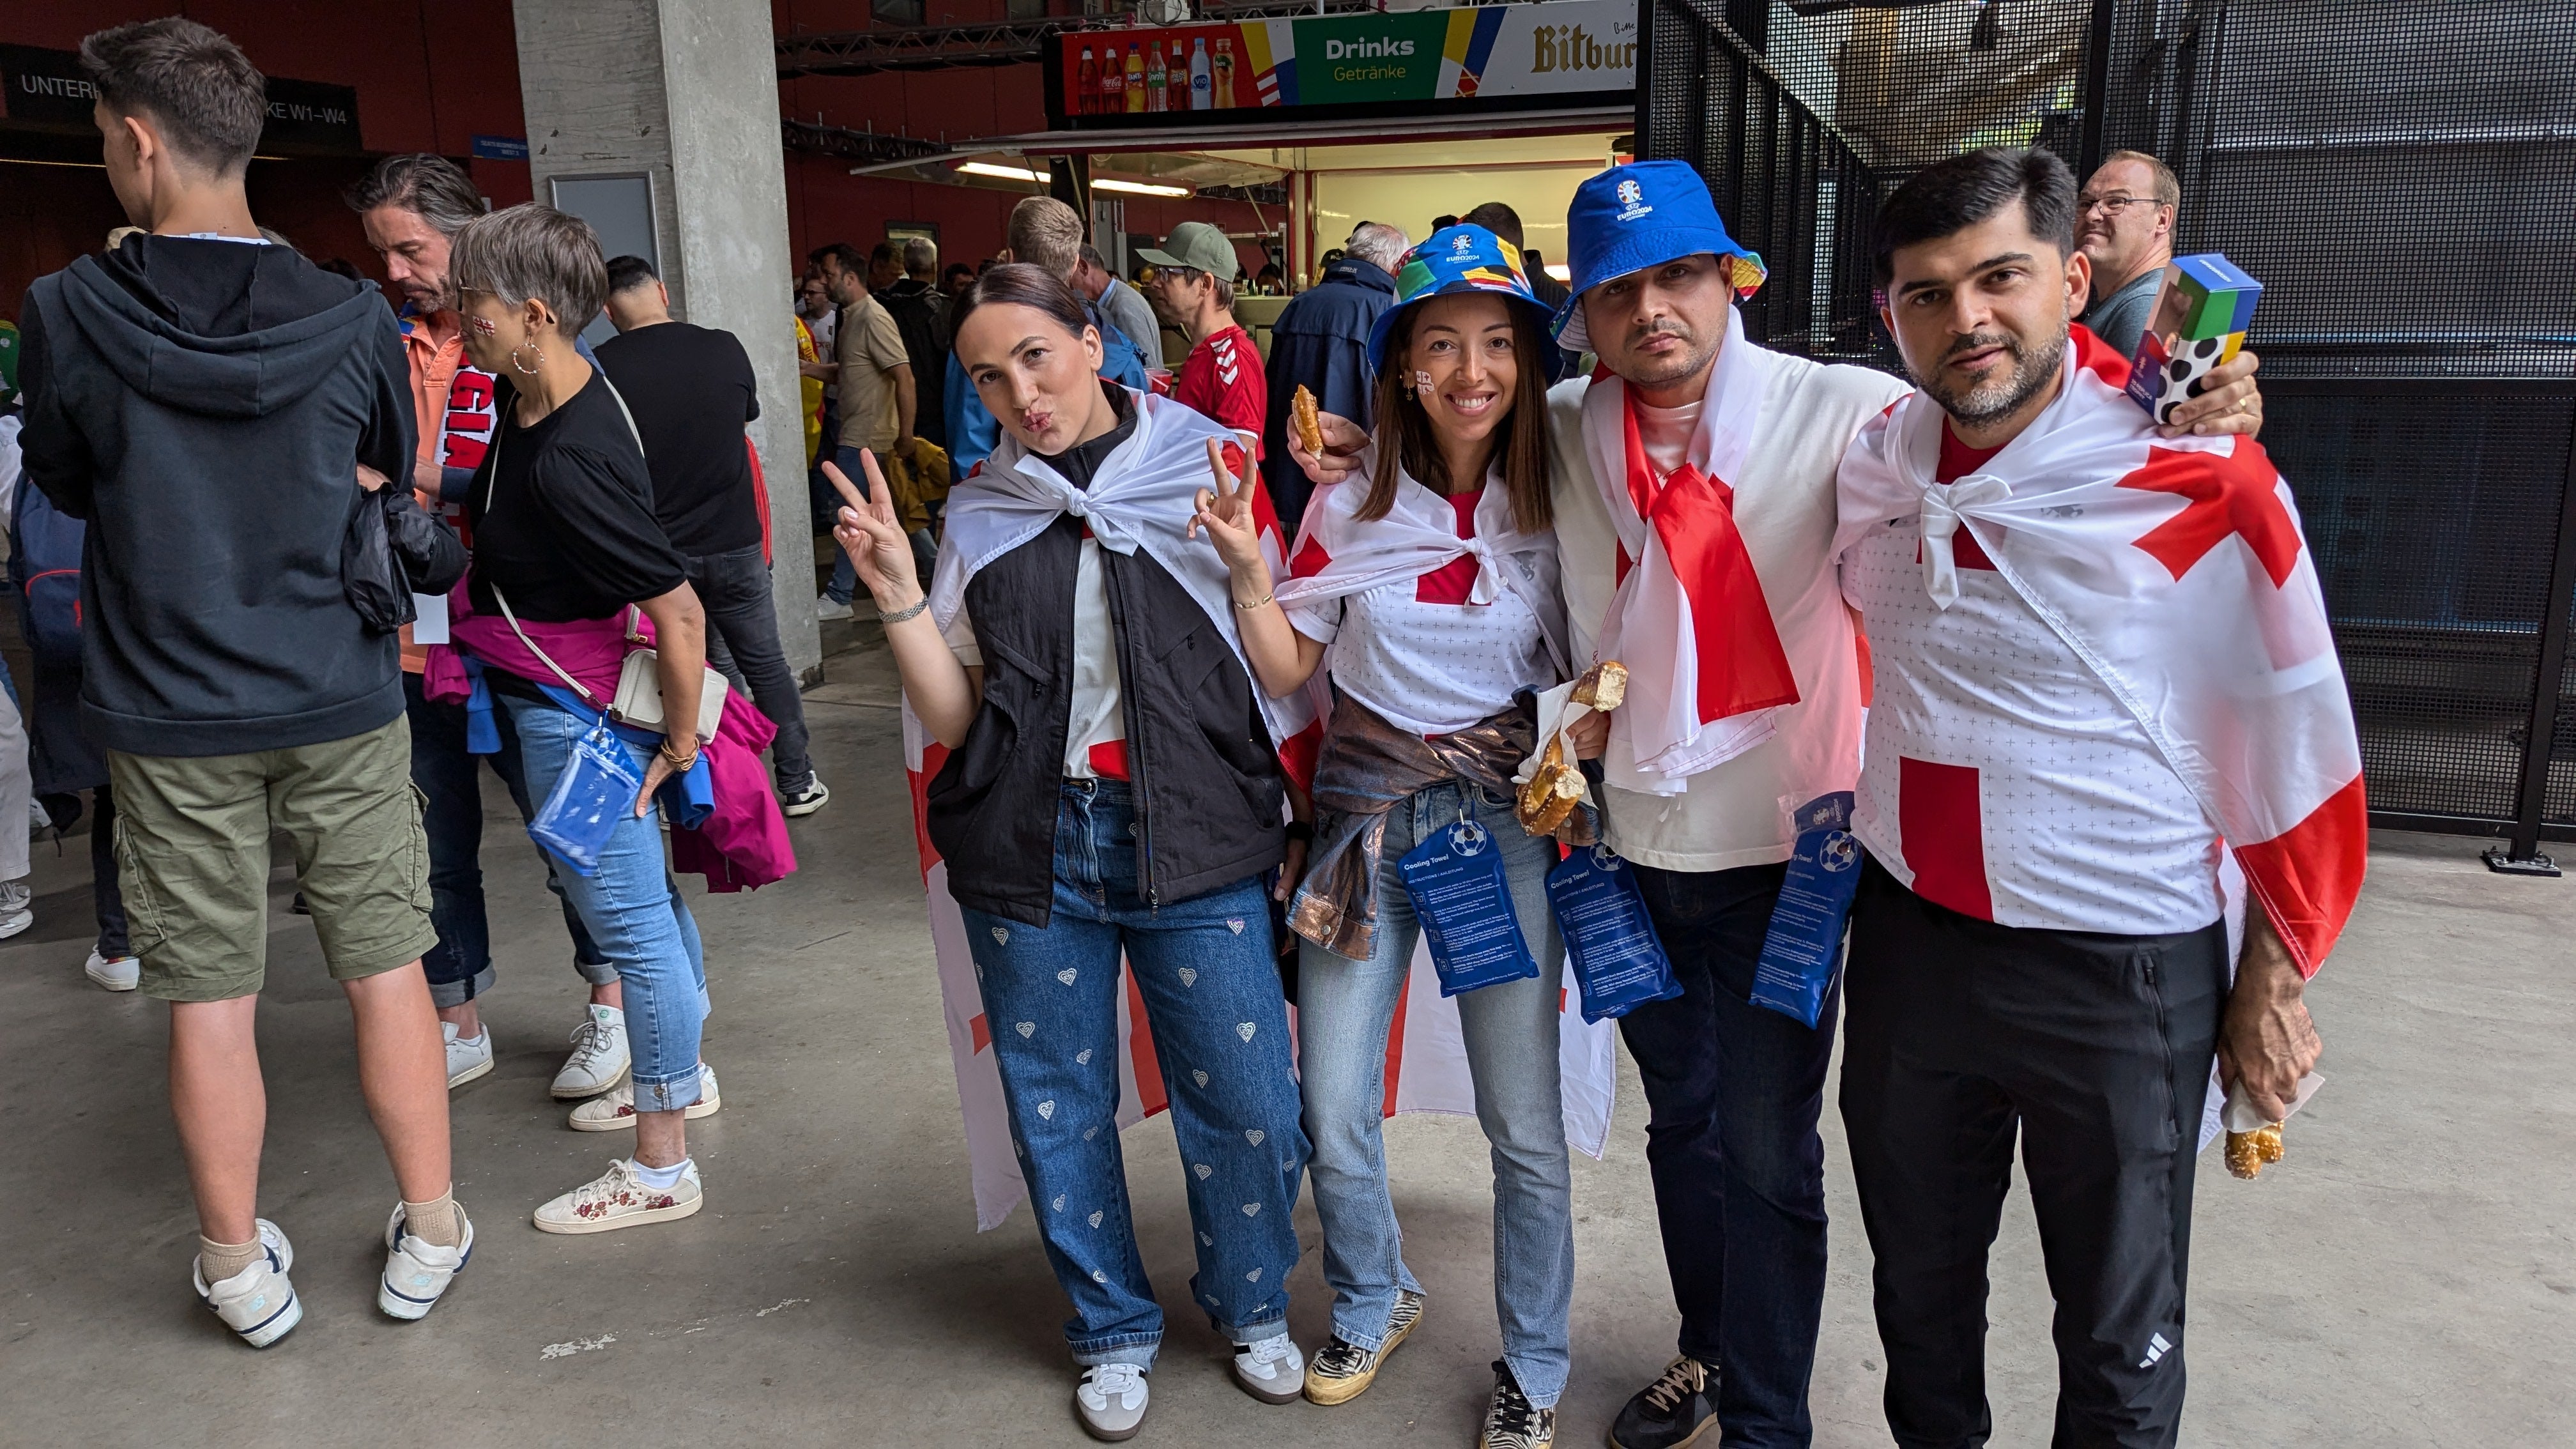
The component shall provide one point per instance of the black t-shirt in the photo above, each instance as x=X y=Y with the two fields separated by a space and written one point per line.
x=691 y=390
x=566 y=528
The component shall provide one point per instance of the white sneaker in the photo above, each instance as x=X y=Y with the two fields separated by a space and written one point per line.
x=417 y=1272
x=468 y=1057
x=1111 y=1400
x=257 y=1302
x=115 y=973
x=39 y=819
x=619 y=1199
x=1271 y=1370
x=17 y=907
x=616 y=1111
x=599 y=1057
x=827 y=609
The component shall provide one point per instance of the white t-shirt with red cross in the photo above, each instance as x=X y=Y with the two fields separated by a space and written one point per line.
x=1419 y=653
x=2001 y=779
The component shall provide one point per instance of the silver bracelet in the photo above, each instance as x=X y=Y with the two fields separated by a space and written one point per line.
x=900 y=615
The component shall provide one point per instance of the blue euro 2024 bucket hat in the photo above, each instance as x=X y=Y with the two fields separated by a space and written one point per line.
x=1454 y=259
x=1642 y=215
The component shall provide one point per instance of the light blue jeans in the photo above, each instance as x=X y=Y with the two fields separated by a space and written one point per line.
x=634 y=914
x=1344 y=1011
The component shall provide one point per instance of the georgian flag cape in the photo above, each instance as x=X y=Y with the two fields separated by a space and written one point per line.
x=1705 y=668
x=1340 y=554
x=1142 y=498
x=2177 y=571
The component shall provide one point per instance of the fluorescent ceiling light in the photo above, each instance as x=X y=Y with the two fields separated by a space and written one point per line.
x=1136 y=188
x=1560 y=271
x=1104 y=183
x=1000 y=173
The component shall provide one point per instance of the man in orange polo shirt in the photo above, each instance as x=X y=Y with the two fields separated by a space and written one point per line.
x=410 y=207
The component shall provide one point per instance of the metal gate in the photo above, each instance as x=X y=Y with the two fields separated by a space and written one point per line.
x=2400 y=173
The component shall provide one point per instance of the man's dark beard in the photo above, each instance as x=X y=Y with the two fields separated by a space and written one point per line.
x=2032 y=374
x=1690 y=364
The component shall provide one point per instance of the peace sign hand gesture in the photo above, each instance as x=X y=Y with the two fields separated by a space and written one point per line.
x=868 y=532
x=1225 y=511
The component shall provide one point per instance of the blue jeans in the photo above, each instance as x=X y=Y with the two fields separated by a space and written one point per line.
x=459 y=968
x=1220 y=1034
x=742 y=645
x=1344 y=1011
x=633 y=909
x=1733 y=1091
x=845 y=574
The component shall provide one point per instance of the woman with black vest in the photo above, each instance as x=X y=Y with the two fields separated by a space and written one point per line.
x=1112 y=786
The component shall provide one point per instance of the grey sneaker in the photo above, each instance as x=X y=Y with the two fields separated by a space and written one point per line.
x=257 y=1302
x=1111 y=1400
x=416 y=1273
x=1342 y=1370
x=17 y=906
x=1271 y=1370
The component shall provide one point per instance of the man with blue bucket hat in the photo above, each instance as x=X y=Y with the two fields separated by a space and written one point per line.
x=1695 y=512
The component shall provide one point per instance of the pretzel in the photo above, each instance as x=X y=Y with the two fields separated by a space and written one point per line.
x=2249 y=1152
x=1308 y=419
x=1552 y=792
x=1604 y=686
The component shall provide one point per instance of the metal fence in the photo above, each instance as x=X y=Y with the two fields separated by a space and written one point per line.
x=2400 y=173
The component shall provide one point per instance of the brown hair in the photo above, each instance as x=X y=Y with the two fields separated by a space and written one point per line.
x=2166 y=186
x=205 y=97
x=1023 y=285
x=1047 y=232
x=1404 y=430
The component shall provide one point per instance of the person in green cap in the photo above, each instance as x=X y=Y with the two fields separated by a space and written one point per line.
x=1194 y=272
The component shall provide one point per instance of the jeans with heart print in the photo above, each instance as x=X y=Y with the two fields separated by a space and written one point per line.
x=1207 y=974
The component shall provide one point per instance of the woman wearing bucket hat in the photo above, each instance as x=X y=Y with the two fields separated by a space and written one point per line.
x=1426 y=587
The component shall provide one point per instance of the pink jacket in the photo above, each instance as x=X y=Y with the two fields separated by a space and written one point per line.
x=743 y=843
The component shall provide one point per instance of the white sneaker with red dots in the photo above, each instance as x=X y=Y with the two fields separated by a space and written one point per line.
x=620 y=1199
x=616 y=1111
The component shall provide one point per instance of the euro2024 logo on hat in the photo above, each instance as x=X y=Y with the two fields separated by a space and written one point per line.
x=1463 y=244
x=1632 y=199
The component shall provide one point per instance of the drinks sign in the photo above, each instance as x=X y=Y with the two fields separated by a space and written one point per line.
x=1484 y=57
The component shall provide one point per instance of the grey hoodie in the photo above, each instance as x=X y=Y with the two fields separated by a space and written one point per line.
x=202 y=404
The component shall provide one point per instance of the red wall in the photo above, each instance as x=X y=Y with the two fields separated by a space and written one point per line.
x=430 y=76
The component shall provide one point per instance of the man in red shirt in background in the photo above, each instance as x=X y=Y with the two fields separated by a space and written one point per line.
x=1193 y=285
x=410 y=206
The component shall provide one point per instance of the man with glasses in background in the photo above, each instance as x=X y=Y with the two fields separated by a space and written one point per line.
x=2124 y=224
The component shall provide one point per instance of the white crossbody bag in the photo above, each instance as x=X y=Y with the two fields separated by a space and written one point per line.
x=638 y=702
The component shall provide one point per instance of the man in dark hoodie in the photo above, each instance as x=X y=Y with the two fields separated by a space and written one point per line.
x=205 y=400
x=1320 y=342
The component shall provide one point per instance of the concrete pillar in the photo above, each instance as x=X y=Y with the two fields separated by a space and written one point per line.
x=673 y=104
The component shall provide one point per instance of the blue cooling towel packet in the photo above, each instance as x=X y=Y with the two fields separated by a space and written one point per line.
x=1805 y=944
x=1456 y=880
x=1618 y=959
x=594 y=794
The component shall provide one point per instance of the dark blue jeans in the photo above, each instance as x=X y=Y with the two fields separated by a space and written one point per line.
x=460 y=967
x=742 y=645
x=1733 y=1091
x=1210 y=984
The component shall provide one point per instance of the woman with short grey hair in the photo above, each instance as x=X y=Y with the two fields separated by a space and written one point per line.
x=567 y=556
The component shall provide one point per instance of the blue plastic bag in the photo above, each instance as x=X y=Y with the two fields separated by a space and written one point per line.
x=594 y=795
x=1804 y=946
x=1618 y=960
x=1465 y=905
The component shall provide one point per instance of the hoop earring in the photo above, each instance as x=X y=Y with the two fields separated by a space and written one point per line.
x=522 y=368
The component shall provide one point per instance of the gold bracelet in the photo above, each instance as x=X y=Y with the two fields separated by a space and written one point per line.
x=1261 y=603
x=678 y=765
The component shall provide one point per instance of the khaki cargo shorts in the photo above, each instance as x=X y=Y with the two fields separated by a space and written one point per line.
x=192 y=854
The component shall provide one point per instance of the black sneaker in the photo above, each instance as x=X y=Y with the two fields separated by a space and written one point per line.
x=1510 y=1421
x=805 y=796
x=1674 y=1410
x=1342 y=1370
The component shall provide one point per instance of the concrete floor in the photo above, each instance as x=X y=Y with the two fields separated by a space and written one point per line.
x=2406 y=1277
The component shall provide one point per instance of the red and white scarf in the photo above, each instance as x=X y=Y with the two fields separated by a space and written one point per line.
x=1142 y=497
x=1705 y=666
x=1339 y=553
x=2177 y=571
